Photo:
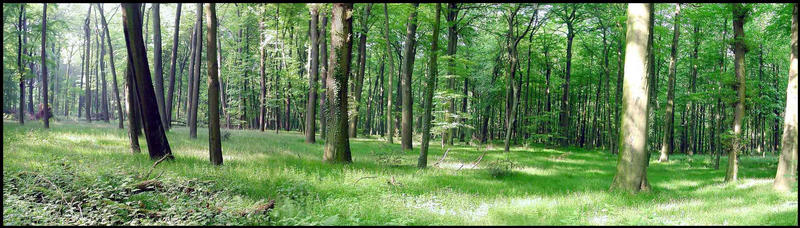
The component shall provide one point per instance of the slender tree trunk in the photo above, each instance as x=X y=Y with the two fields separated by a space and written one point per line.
x=113 y=66
x=633 y=156
x=20 y=67
x=262 y=66
x=667 y=144
x=46 y=107
x=337 y=144
x=157 y=143
x=173 y=60
x=323 y=47
x=739 y=51
x=192 y=121
x=133 y=109
x=88 y=97
x=359 y=79
x=214 y=144
x=311 y=107
x=390 y=86
x=787 y=164
x=408 y=69
x=452 y=47
x=422 y=162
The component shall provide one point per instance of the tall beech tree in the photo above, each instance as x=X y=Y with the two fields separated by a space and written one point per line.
x=405 y=80
x=173 y=60
x=214 y=144
x=157 y=143
x=422 y=162
x=45 y=106
x=633 y=156
x=787 y=163
x=158 y=78
x=112 y=64
x=195 y=82
x=389 y=87
x=358 y=84
x=311 y=106
x=337 y=143
x=667 y=144
x=739 y=14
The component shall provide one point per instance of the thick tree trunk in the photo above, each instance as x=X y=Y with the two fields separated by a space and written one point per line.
x=422 y=162
x=133 y=109
x=407 y=70
x=731 y=175
x=311 y=106
x=157 y=143
x=667 y=145
x=337 y=144
x=787 y=164
x=214 y=144
x=452 y=47
x=633 y=156
x=171 y=89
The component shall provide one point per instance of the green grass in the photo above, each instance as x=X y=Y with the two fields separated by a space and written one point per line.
x=540 y=190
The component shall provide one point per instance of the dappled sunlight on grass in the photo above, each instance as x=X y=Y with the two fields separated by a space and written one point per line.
x=542 y=189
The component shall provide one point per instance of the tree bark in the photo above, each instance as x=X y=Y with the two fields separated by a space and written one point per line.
x=196 y=75
x=407 y=70
x=731 y=175
x=157 y=66
x=787 y=164
x=323 y=48
x=422 y=162
x=46 y=107
x=633 y=157
x=113 y=66
x=337 y=144
x=87 y=101
x=311 y=106
x=157 y=143
x=214 y=144
x=20 y=67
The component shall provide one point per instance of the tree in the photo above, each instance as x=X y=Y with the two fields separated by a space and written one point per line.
x=787 y=164
x=88 y=97
x=171 y=88
x=668 y=142
x=20 y=67
x=422 y=162
x=323 y=47
x=113 y=66
x=406 y=71
x=570 y=15
x=359 y=79
x=633 y=156
x=195 y=82
x=311 y=106
x=337 y=144
x=46 y=106
x=739 y=14
x=389 y=107
x=157 y=143
x=214 y=144
x=158 y=79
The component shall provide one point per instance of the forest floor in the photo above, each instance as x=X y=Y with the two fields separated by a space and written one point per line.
x=84 y=173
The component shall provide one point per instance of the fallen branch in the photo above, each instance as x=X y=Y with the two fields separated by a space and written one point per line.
x=443 y=157
x=359 y=179
x=154 y=166
x=264 y=208
x=479 y=160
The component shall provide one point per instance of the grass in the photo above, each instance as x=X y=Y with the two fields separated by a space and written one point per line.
x=541 y=189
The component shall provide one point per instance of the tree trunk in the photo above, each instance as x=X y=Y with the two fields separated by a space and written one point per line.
x=787 y=164
x=196 y=75
x=158 y=78
x=311 y=107
x=422 y=162
x=87 y=101
x=173 y=60
x=668 y=142
x=337 y=144
x=633 y=156
x=452 y=47
x=20 y=66
x=359 y=79
x=113 y=66
x=323 y=47
x=390 y=86
x=46 y=107
x=262 y=81
x=133 y=109
x=739 y=50
x=214 y=144
x=408 y=69
x=157 y=143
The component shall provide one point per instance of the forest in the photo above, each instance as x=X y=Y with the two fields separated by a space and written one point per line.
x=400 y=114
